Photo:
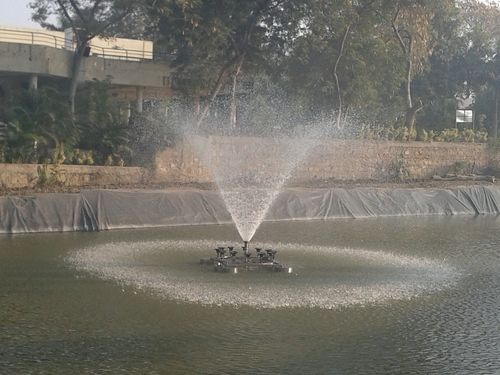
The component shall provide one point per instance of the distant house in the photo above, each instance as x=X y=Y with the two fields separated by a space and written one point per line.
x=28 y=56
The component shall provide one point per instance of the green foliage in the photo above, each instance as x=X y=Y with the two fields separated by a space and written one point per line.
x=461 y=168
x=154 y=130
x=81 y=157
x=458 y=135
x=104 y=126
x=369 y=71
x=210 y=37
x=41 y=129
x=48 y=176
x=268 y=108
x=90 y=17
x=402 y=133
x=39 y=126
x=398 y=169
x=389 y=133
x=306 y=59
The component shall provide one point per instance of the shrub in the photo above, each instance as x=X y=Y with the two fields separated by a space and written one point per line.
x=404 y=134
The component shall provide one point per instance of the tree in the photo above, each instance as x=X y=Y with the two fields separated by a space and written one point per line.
x=478 y=62
x=436 y=86
x=410 y=22
x=339 y=19
x=88 y=19
x=212 y=40
x=103 y=124
x=495 y=78
x=40 y=126
x=339 y=60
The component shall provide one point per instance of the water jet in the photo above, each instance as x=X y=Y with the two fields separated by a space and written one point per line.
x=250 y=173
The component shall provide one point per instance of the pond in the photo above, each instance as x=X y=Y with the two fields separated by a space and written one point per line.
x=414 y=295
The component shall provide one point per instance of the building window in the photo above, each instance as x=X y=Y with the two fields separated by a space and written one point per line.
x=464 y=116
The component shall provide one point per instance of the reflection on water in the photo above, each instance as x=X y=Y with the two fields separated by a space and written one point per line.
x=55 y=319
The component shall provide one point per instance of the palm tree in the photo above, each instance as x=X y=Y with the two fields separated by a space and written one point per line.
x=39 y=122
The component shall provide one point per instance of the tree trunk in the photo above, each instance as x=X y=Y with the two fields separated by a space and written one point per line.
x=410 y=118
x=214 y=93
x=240 y=52
x=75 y=73
x=407 y=49
x=336 y=76
x=232 y=110
x=411 y=110
x=495 y=113
x=409 y=65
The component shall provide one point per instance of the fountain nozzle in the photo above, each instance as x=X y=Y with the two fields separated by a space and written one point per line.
x=227 y=259
x=246 y=249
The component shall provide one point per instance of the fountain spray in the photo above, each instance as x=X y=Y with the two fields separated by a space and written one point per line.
x=251 y=176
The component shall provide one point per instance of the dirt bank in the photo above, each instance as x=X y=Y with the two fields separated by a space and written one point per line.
x=411 y=184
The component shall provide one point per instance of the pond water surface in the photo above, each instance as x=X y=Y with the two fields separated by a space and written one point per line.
x=389 y=296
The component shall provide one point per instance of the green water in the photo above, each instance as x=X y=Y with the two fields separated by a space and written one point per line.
x=57 y=319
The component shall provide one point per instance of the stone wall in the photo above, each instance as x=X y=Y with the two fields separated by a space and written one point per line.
x=21 y=176
x=336 y=159
x=370 y=160
x=331 y=160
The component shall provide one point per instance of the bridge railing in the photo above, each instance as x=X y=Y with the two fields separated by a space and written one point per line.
x=42 y=38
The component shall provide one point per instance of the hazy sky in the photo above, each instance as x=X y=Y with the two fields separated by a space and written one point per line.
x=17 y=13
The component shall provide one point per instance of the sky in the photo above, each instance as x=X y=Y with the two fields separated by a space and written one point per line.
x=17 y=13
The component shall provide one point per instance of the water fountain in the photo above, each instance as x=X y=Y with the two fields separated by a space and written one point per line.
x=249 y=173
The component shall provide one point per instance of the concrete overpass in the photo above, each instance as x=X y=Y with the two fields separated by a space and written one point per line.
x=33 y=54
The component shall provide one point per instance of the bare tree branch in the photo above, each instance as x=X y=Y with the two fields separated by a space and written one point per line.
x=78 y=11
x=397 y=31
x=66 y=13
x=113 y=20
x=335 y=73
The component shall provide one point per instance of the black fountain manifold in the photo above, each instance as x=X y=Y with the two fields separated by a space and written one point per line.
x=228 y=260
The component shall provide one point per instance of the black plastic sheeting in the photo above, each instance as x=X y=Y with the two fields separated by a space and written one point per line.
x=114 y=209
x=109 y=209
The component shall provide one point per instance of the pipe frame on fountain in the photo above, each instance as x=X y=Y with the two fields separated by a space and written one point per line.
x=246 y=250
